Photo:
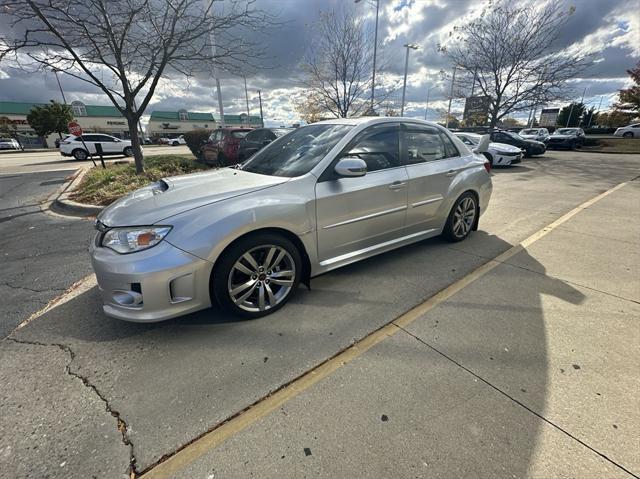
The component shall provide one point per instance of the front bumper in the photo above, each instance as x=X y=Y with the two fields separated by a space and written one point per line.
x=151 y=285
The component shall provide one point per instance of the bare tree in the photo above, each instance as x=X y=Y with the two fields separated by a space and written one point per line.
x=125 y=47
x=337 y=71
x=510 y=53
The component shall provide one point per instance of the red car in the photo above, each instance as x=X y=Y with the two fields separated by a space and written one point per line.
x=222 y=146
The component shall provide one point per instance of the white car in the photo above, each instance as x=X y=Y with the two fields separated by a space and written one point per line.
x=74 y=146
x=538 y=134
x=9 y=144
x=499 y=154
x=631 y=131
x=177 y=141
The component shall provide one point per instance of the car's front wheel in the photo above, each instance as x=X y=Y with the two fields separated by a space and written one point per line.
x=128 y=151
x=462 y=218
x=257 y=275
x=628 y=134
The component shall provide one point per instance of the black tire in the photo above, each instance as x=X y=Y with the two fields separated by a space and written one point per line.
x=175 y=143
x=628 y=134
x=128 y=151
x=80 y=154
x=223 y=281
x=451 y=229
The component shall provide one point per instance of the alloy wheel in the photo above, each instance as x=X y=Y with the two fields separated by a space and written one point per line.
x=261 y=278
x=463 y=217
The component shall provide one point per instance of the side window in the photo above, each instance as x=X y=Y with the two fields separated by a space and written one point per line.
x=466 y=141
x=104 y=138
x=423 y=144
x=218 y=135
x=378 y=147
x=258 y=136
x=449 y=148
x=252 y=137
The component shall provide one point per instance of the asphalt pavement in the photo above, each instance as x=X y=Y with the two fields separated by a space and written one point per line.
x=529 y=371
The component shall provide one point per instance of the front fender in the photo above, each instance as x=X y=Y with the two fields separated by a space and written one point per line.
x=205 y=232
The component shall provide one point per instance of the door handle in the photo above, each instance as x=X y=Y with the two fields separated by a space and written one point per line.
x=452 y=172
x=396 y=185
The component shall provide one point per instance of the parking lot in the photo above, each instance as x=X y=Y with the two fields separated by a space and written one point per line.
x=526 y=367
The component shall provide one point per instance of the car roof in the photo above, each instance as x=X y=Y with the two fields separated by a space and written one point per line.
x=373 y=120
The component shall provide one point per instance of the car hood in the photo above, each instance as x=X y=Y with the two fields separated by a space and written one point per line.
x=504 y=147
x=177 y=194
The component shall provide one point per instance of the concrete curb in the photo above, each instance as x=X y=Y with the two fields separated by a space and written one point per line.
x=62 y=204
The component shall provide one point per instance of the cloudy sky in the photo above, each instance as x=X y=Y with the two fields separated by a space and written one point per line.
x=608 y=29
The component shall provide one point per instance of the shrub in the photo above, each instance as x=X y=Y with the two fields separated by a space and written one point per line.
x=195 y=140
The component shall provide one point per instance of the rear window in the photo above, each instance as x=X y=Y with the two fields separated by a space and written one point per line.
x=239 y=133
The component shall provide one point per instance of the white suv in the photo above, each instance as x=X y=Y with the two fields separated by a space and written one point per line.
x=73 y=146
x=631 y=131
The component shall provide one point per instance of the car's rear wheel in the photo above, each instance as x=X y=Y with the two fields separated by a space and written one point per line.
x=128 y=151
x=257 y=275
x=628 y=134
x=80 y=155
x=462 y=218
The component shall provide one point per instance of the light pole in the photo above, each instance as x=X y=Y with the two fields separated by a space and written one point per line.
x=215 y=68
x=426 y=108
x=55 y=72
x=246 y=97
x=261 y=117
x=408 y=46
x=453 y=81
x=375 y=50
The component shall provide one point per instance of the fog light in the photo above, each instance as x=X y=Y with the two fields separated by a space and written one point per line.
x=127 y=298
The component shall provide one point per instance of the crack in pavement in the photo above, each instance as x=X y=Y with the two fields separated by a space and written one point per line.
x=515 y=400
x=33 y=290
x=121 y=423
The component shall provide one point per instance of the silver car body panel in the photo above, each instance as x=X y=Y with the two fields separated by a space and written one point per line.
x=337 y=222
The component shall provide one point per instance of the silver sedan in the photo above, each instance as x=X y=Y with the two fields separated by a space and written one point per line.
x=321 y=197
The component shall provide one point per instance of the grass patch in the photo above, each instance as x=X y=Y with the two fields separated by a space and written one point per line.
x=103 y=186
x=617 y=145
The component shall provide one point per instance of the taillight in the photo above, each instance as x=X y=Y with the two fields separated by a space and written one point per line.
x=487 y=166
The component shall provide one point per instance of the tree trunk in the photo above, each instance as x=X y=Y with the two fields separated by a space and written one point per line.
x=135 y=144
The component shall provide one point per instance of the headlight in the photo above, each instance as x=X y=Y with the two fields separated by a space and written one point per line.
x=128 y=240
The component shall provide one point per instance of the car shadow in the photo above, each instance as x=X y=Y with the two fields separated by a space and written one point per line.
x=210 y=357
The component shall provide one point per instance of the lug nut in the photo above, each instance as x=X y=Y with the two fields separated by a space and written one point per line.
x=253 y=276
x=266 y=281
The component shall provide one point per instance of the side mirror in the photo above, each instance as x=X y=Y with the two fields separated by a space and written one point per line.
x=483 y=145
x=351 y=166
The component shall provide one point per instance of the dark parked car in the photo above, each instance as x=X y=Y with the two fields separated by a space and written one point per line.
x=530 y=147
x=257 y=139
x=569 y=138
x=222 y=146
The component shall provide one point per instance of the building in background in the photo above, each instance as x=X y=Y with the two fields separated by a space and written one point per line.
x=171 y=124
x=242 y=121
x=92 y=119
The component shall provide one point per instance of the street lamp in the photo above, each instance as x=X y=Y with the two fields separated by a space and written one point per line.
x=426 y=108
x=375 y=49
x=408 y=46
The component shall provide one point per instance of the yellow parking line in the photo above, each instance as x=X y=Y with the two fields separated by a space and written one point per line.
x=234 y=425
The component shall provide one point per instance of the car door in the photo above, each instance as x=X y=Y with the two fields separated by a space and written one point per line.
x=90 y=142
x=360 y=213
x=432 y=162
x=109 y=144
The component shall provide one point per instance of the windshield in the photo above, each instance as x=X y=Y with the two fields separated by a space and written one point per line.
x=239 y=133
x=6 y=140
x=280 y=131
x=565 y=131
x=469 y=140
x=296 y=153
x=512 y=135
x=529 y=132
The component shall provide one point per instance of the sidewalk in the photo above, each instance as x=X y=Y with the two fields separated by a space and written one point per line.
x=530 y=371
